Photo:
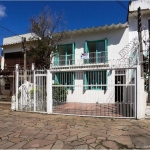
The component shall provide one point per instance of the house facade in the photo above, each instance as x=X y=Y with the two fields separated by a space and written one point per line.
x=97 y=65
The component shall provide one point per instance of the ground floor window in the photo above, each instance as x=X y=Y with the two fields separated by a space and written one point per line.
x=95 y=80
x=7 y=86
x=65 y=78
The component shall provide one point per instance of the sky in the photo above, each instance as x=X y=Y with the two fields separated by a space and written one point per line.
x=15 y=15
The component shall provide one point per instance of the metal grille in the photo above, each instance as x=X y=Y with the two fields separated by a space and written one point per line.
x=32 y=92
x=111 y=96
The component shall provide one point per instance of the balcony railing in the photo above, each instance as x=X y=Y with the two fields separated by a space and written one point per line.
x=9 y=64
x=93 y=58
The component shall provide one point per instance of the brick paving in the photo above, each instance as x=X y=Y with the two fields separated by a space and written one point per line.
x=21 y=130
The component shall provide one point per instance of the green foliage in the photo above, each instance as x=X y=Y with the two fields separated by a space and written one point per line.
x=19 y=94
x=38 y=92
x=59 y=93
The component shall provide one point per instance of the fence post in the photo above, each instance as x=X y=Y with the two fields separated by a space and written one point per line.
x=34 y=84
x=141 y=95
x=17 y=80
x=49 y=92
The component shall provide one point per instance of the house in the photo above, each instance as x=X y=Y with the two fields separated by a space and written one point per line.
x=98 y=64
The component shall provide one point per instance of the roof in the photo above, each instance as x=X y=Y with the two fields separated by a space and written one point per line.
x=99 y=28
x=17 y=39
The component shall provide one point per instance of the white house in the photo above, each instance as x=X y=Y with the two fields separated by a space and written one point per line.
x=98 y=64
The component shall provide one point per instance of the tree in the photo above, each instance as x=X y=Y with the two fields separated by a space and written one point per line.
x=48 y=31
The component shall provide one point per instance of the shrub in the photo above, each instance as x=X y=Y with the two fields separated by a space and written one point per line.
x=59 y=93
x=38 y=92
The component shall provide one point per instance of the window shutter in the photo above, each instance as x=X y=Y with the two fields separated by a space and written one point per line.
x=86 y=50
x=73 y=53
x=106 y=50
x=85 y=81
x=56 y=58
x=56 y=78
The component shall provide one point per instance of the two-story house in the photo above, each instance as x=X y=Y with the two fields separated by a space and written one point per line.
x=97 y=64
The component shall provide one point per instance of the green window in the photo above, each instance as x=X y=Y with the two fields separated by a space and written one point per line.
x=65 y=55
x=65 y=78
x=97 y=51
x=95 y=80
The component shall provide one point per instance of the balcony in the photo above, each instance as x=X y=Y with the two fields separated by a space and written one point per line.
x=67 y=61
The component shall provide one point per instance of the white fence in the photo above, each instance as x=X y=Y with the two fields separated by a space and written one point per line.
x=101 y=93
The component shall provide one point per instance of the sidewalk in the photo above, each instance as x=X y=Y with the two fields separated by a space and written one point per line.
x=33 y=131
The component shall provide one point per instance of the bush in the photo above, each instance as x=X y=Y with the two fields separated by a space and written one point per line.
x=38 y=92
x=59 y=93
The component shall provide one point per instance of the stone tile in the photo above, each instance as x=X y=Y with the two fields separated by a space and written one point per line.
x=61 y=137
x=47 y=147
x=36 y=143
x=6 y=145
x=13 y=135
x=16 y=139
x=2 y=142
x=72 y=138
x=41 y=136
x=125 y=140
x=110 y=144
x=75 y=143
x=83 y=134
x=91 y=141
x=51 y=137
x=81 y=147
x=58 y=145
x=18 y=145
x=4 y=138
x=67 y=147
x=141 y=141
x=93 y=145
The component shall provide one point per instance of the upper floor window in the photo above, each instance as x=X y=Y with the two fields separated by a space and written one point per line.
x=97 y=51
x=65 y=55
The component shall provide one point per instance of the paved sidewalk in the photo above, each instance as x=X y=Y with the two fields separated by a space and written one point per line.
x=32 y=131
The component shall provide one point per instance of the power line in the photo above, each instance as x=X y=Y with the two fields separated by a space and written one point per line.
x=10 y=31
x=121 y=4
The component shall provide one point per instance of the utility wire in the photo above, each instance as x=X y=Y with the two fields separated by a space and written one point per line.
x=9 y=31
x=121 y=4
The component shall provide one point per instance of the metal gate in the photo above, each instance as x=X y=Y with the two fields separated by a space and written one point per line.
x=31 y=90
x=101 y=93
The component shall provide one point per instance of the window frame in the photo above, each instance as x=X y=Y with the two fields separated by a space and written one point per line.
x=86 y=49
x=58 y=77
x=56 y=57
x=87 y=80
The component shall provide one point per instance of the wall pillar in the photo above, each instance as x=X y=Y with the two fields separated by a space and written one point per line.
x=141 y=95
x=49 y=93
x=17 y=81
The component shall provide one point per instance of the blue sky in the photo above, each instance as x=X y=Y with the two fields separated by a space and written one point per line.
x=14 y=15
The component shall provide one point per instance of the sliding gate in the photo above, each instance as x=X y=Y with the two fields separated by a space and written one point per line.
x=101 y=93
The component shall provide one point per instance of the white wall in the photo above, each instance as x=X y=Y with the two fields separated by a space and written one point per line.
x=117 y=40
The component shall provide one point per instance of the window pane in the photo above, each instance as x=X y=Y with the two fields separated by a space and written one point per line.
x=96 y=78
x=101 y=51
x=92 y=52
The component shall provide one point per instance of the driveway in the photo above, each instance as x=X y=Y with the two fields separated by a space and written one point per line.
x=20 y=130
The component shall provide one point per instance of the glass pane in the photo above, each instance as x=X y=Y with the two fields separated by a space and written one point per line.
x=101 y=52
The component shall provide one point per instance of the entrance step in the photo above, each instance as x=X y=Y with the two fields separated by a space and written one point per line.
x=147 y=112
